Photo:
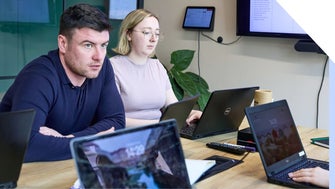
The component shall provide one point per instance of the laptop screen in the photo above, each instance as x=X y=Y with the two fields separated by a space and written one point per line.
x=276 y=132
x=15 y=129
x=144 y=157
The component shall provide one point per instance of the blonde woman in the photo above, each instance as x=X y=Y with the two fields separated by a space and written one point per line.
x=142 y=81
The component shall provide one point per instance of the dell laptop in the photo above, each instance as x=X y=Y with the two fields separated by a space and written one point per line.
x=142 y=157
x=224 y=113
x=15 y=129
x=279 y=143
x=179 y=110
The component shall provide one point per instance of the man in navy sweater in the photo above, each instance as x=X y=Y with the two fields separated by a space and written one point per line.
x=71 y=88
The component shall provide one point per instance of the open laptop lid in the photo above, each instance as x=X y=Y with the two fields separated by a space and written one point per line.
x=275 y=135
x=142 y=157
x=180 y=110
x=224 y=111
x=15 y=129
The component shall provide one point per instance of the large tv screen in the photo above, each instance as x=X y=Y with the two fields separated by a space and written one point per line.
x=266 y=19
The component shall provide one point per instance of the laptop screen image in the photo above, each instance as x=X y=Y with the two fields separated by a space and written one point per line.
x=144 y=157
x=277 y=135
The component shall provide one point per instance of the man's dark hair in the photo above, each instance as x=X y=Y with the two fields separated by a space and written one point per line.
x=83 y=16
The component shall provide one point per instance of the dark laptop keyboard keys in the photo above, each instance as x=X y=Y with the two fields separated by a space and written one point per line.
x=188 y=130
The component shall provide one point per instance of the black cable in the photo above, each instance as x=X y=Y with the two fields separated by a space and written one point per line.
x=245 y=156
x=199 y=55
x=219 y=40
x=318 y=97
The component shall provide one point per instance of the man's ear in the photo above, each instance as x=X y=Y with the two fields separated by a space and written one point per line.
x=62 y=43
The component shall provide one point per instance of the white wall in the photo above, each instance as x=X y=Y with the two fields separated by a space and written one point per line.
x=271 y=63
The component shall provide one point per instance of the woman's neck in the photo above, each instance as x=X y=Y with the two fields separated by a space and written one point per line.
x=140 y=60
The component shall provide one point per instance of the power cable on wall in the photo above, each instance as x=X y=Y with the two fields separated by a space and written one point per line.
x=219 y=40
x=318 y=96
x=198 y=54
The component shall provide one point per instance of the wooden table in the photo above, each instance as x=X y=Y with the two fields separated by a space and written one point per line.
x=250 y=173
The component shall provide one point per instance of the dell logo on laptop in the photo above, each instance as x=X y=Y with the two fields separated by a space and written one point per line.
x=227 y=111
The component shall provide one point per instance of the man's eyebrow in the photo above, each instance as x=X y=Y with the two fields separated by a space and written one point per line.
x=88 y=41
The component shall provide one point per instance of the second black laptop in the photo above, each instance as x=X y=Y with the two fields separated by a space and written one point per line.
x=223 y=113
x=179 y=110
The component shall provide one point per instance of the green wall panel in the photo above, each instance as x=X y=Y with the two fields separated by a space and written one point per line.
x=23 y=41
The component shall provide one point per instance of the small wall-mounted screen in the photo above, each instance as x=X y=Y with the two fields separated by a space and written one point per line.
x=199 y=18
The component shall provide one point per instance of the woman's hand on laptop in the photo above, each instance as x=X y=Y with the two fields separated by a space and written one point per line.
x=316 y=175
x=193 y=117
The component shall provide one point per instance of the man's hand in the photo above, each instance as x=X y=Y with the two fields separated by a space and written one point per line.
x=111 y=130
x=50 y=132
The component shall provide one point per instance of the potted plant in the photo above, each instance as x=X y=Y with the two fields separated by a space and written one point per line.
x=187 y=83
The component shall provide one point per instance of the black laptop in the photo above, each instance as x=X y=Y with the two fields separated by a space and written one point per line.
x=223 y=113
x=15 y=129
x=142 y=157
x=179 y=110
x=279 y=143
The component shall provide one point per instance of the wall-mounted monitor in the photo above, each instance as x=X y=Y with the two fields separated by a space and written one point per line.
x=266 y=19
x=118 y=9
x=199 y=18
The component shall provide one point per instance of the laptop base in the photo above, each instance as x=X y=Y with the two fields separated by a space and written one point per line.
x=293 y=185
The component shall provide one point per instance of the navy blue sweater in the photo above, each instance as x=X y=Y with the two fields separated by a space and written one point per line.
x=43 y=85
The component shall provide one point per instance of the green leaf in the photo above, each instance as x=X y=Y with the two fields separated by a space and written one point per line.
x=203 y=99
x=198 y=80
x=181 y=59
x=185 y=82
x=178 y=91
x=202 y=88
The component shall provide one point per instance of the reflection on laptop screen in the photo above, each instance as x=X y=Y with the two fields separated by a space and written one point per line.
x=276 y=134
x=149 y=157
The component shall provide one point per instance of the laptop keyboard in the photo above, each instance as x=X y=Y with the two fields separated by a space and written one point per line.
x=304 y=164
x=188 y=130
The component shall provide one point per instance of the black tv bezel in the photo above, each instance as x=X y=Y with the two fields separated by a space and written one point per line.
x=211 y=25
x=243 y=24
x=139 y=5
